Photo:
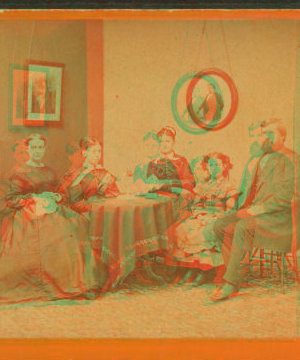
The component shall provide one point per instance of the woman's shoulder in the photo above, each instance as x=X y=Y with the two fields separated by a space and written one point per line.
x=141 y=166
x=18 y=171
x=48 y=169
x=179 y=159
x=228 y=185
x=102 y=173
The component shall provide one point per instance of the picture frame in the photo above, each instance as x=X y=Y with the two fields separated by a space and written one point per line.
x=37 y=94
x=17 y=97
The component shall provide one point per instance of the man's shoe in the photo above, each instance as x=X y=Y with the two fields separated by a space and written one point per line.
x=223 y=293
x=90 y=295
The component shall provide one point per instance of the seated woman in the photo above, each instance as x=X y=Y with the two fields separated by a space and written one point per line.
x=151 y=145
x=41 y=256
x=75 y=156
x=92 y=180
x=21 y=155
x=170 y=172
x=192 y=242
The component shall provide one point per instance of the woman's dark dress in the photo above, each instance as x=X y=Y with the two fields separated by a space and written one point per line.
x=176 y=175
x=98 y=183
x=83 y=188
x=42 y=258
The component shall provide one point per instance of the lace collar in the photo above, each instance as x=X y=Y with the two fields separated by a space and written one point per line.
x=171 y=156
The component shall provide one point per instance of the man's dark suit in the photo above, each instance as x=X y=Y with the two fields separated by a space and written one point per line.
x=269 y=198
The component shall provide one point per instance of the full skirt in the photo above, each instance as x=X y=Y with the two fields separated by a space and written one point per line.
x=45 y=259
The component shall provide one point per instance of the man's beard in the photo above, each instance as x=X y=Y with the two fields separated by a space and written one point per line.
x=256 y=149
x=267 y=146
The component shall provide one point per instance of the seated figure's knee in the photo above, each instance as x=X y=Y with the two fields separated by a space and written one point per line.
x=208 y=232
x=240 y=226
x=219 y=227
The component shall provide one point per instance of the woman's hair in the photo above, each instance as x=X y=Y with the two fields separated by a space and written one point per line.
x=19 y=143
x=89 y=141
x=35 y=137
x=227 y=165
x=193 y=164
x=151 y=135
x=72 y=147
x=167 y=130
x=195 y=161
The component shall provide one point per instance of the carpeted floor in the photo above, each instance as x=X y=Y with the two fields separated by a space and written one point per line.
x=259 y=310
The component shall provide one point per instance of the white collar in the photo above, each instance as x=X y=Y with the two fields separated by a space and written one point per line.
x=89 y=168
x=32 y=163
x=170 y=156
x=148 y=160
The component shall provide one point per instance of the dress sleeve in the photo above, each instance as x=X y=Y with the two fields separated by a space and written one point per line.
x=55 y=185
x=17 y=194
x=138 y=173
x=74 y=194
x=110 y=188
x=230 y=201
x=101 y=184
x=186 y=176
x=150 y=170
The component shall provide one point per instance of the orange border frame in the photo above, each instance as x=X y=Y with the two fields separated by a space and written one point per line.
x=162 y=349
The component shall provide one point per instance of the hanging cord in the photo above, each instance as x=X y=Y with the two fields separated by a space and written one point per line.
x=200 y=43
x=27 y=76
x=30 y=42
x=210 y=52
x=226 y=47
x=184 y=46
x=16 y=36
x=54 y=43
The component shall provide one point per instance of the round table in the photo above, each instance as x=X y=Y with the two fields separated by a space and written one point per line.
x=127 y=227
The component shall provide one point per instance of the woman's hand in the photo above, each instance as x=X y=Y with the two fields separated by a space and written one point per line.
x=44 y=203
x=199 y=190
x=27 y=202
x=153 y=187
x=50 y=196
x=57 y=197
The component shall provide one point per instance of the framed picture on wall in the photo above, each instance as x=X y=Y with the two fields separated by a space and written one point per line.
x=18 y=98
x=37 y=94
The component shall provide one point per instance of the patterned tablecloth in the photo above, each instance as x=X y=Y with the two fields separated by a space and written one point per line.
x=126 y=227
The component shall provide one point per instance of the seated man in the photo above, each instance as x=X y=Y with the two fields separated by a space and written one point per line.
x=265 y=214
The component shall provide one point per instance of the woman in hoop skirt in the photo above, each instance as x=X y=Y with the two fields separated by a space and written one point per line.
x=170 y=174
x=192 y=242
x=44 y=252
x=91 y=181
x=84 y=186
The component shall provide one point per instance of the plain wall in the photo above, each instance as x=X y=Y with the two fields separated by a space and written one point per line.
x=143 y=60
x=54 y=41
